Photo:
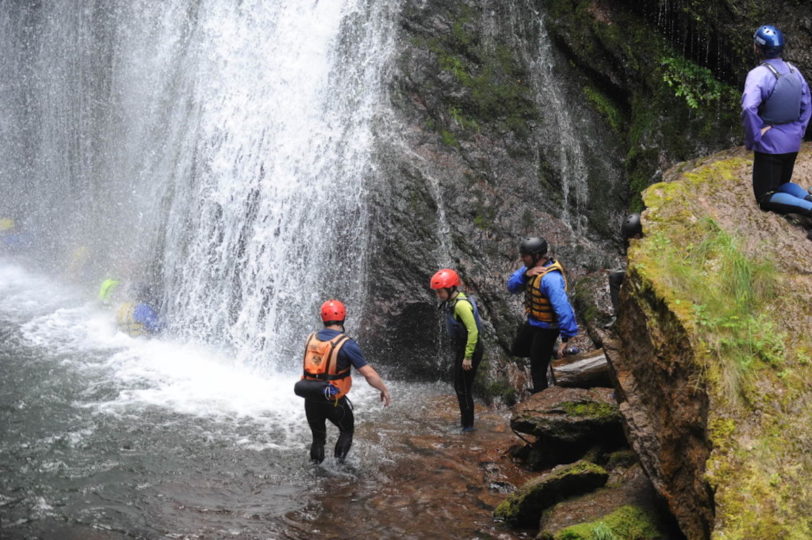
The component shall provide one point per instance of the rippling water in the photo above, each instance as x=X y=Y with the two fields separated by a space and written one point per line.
x=106 y=436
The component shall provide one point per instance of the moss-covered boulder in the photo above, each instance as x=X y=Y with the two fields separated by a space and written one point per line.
x=713 y=368
x=524 y=508
x=625 y=523
x=567 y=415
x=627 y=486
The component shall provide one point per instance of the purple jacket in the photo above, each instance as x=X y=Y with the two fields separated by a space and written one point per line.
x=782 y=138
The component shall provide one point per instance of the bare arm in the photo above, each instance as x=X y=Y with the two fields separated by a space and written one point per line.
x=375 y=381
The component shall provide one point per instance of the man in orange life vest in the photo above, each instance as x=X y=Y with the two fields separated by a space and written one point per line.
x=549 y=312
x=329 y=356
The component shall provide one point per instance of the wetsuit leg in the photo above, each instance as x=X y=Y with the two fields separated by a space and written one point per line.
x=770 y=171
x=784 y=203
x=541 y=352
x=522 y=341
x=464 y=383
x=316 y=419
x=341 y=416
x=795 y=190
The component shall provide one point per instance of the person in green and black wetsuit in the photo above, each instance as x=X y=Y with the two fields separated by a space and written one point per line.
x=462 y=321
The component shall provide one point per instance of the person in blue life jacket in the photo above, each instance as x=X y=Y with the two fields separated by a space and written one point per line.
x=464 y=327
x=548 y=309
x=139 y=318
x=12 y=239
x=329 y=358
x=775 y=114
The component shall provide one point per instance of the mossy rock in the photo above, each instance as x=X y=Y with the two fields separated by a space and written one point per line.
x=625 y=523
x=568 y=415
x=718 y=297
x=524 y=508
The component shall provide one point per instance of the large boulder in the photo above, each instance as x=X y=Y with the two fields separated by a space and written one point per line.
x=713 y=363
x=626 y=488
x=567 y=422
x=524 y=508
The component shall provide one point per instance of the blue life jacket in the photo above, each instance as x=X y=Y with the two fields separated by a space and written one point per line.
x=783 y=105
x=455 y=328
x=145 y=315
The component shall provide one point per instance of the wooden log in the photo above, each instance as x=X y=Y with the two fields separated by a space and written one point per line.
x=585 y=370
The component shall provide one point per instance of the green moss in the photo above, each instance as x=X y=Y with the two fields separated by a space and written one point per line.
x=625 y=523
x=496 y=388
x=589 y=409
x=524 y=507
x=492 y=78
x=621 y=458
x=606 y=107
x=448 y=138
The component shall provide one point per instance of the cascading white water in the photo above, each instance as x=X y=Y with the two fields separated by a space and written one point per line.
x=216 y=150
x=571 y=161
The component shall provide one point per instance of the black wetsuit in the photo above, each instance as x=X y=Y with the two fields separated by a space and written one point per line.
x=318 y=411
x=464 y=381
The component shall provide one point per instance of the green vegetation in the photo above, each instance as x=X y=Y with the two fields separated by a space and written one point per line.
x=492 y=79
x=695 y=84
x=524 y=507
x=729 y=295
x=606 y=107
x=625 y=523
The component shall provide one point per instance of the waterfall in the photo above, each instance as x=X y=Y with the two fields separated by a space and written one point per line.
x=562 y=124
x=214 y=152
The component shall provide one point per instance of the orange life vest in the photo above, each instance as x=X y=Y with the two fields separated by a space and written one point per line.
x=535 y=303
x=321 y=363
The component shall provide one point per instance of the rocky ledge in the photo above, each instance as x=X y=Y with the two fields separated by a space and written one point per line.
x=713 y=361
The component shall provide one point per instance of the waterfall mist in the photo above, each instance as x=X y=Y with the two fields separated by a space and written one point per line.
x=213 y=155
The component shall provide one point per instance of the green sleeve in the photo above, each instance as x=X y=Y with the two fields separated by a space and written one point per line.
x=464 y=312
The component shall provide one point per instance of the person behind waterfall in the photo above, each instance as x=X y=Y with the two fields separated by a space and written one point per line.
x=139 y=318
x=775 y=113
x=329 y=356
x=548 y=309
x=463 y=325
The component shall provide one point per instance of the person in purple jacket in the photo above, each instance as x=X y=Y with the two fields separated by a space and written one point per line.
x=548 y=309
x=775 y=113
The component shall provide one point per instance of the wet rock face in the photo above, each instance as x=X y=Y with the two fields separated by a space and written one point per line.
x=475 y=160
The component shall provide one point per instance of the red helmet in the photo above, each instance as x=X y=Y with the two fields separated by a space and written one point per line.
x=333 y=310
x=445 y=279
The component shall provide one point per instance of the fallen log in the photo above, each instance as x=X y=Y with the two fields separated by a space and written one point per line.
x=585 y=370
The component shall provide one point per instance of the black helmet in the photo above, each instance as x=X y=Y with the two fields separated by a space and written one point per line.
x=533 y=246
x=631 y=226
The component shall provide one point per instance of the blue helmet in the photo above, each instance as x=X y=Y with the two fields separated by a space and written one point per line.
x=770 y=40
